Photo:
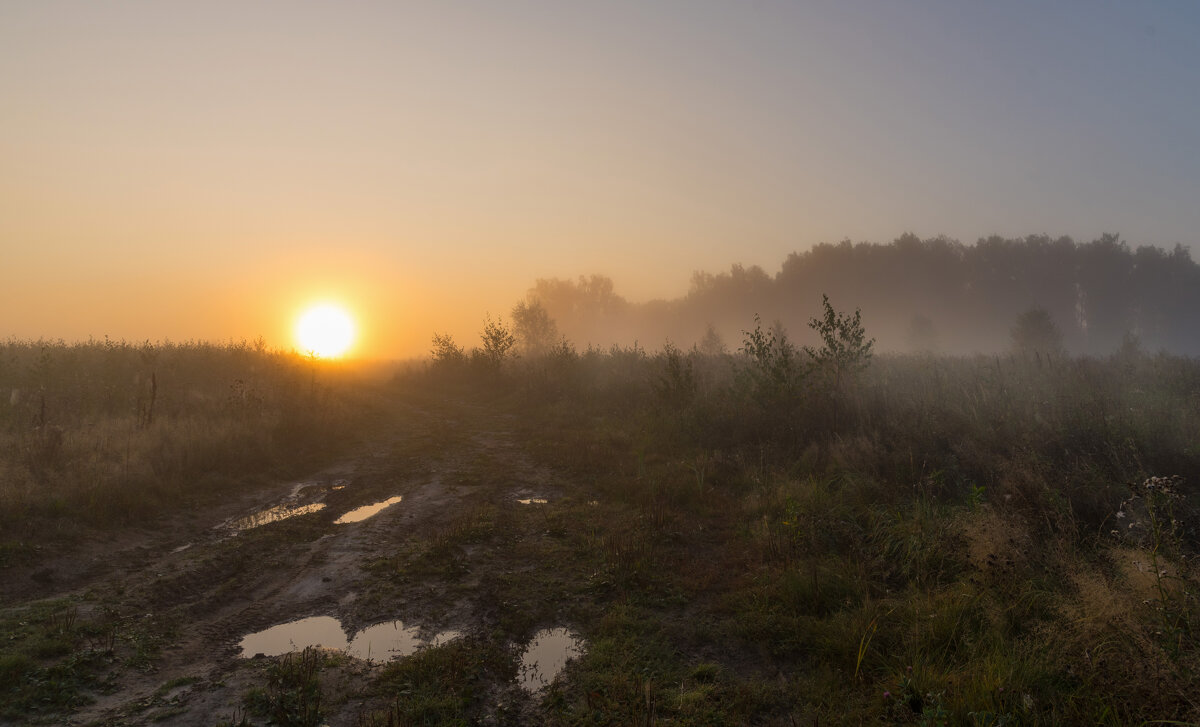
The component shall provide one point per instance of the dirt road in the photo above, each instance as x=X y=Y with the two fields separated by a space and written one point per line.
x=182 y=594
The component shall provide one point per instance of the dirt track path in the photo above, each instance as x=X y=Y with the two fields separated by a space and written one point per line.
x=195 y=589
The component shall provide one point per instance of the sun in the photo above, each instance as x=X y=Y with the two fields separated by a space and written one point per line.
x=325 y=330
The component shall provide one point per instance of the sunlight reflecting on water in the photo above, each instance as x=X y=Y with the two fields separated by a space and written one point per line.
x=359 y=514
x=274 y=514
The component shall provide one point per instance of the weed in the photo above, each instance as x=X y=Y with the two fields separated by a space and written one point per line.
x=293 y=693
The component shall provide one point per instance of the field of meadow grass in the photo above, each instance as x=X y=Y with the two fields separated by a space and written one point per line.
x=774 y=535
x=107 y=434
x=825 y=536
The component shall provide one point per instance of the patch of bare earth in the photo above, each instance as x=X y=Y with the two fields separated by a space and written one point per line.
x=196 y=589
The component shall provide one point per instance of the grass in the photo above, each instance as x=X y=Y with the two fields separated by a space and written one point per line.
x=941 y=549
x=109 y=434
x=102 y=438
x=936 y=541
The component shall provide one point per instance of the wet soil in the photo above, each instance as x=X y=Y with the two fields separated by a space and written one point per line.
x=201 y=580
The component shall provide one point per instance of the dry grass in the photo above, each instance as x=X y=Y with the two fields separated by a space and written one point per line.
x=105 y=434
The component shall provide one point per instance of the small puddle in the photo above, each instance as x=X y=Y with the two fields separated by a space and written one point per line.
x=321 y=631
x=381 y=642
x=305 y=498
x=546 y=655
x=273 y=515
x=359 y=514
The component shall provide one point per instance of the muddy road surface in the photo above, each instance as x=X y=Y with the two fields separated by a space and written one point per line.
x=428 y=535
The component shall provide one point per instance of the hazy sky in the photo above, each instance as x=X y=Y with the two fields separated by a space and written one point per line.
x=204 y=169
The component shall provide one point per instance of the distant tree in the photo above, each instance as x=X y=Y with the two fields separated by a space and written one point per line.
x=584 y=309
x=1131 y=346
x=445 y=352
x=533 y=327
x=1036 y=333
x=498 y=342
x=711 y=344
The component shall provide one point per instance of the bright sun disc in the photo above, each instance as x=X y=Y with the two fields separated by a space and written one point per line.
x=325 y=330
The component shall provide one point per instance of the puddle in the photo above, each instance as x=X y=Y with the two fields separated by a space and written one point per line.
x=359 y=514
x=305 y=498
x=533 y=501
x=272 y=515
x=323 y=631
x=548 y=652
x=381 y=642
x=392 y=640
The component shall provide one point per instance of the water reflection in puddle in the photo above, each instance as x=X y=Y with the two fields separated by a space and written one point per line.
x=320 y=631
x=381 y=642
x=273 y=514
x=359 y=514
x=305 y=497
x=548 y=652
x=392 y=640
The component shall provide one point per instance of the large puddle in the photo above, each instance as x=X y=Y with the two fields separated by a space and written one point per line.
x=305 y=498
x=381 y=642
x=359 y=514
x=546 y=655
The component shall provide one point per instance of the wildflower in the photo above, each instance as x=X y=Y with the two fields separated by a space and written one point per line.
x=887 y=695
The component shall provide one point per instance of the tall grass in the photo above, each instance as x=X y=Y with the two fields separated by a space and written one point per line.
x=105 y=433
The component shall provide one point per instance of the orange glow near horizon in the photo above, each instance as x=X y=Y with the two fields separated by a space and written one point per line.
x=325 y=330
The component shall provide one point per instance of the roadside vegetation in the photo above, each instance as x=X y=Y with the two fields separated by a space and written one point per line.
x=106 y=434
x=101 y=440
x=821 y=534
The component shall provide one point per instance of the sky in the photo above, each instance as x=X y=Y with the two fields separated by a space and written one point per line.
x=206 y=170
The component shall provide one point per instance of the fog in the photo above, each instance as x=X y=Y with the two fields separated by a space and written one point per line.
x=933 y=295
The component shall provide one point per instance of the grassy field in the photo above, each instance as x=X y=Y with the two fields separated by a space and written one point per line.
x=107 y=434
x=987 y=540
x=771 y=536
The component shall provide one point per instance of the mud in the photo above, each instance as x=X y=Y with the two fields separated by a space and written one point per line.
x=203 y=597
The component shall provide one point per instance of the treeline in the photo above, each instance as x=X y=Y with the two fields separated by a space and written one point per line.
x=932 y=295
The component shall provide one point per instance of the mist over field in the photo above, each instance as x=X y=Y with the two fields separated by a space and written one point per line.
x=918 y=296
